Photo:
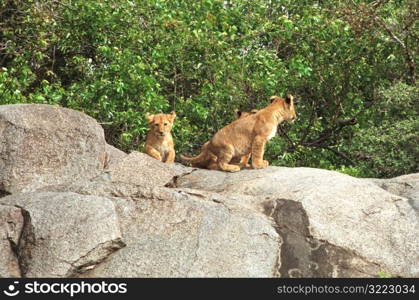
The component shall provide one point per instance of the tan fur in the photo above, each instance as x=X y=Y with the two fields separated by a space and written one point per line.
x=246 y=136
x=159 y=143
x=244 y=160
x=212 y=162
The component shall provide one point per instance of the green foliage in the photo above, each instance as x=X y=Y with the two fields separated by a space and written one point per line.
x=118 y=59
x=389 y=146
x=383 y=274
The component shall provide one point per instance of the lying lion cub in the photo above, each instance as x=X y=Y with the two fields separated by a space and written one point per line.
x=246 y=135
x=159 y=143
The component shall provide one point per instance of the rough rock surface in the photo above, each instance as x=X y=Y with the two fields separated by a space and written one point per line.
x=113 y=156
x=406 y=186
x=332 y=224
x=72 y=232
x=73 y=206
x=44 y=145
x=13 y=226
x=176 y=233
x=179 y=233
x=140 y=169
x=135 y=173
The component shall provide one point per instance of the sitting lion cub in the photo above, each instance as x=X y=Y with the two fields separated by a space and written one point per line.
x=159 y=143
x=212 y=162
x=246 y=135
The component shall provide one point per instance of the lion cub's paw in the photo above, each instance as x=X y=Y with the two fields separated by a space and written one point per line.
x=262 y=164
x=230 y=168
x=234 y=169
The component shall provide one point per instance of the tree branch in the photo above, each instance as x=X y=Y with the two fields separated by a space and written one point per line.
x=343 y=155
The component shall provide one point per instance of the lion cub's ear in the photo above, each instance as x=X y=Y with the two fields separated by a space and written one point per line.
x=238 y=113
x=289 y=98
x=172 y=116
x=149 y=117
x=273 y=98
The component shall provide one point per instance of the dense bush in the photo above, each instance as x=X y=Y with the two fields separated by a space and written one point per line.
x=349 y=63
x=389 y=145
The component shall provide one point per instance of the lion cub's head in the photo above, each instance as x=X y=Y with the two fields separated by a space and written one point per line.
x=161 y=124
x=288 y=111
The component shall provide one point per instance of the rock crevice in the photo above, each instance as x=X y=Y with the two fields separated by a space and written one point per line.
x=302 y=255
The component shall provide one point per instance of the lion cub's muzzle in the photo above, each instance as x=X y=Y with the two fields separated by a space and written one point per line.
x=291 y=119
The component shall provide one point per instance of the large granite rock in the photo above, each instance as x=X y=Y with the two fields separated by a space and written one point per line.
x=180 y=233
x=71 y=233
x=406 y=186
x=76 y=202
x=47 y=145
x=332 y=225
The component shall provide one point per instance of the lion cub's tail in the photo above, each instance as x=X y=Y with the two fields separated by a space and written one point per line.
x=201 y=159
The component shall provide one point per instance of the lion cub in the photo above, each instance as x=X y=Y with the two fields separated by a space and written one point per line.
x=159 y=143
x=212 y=162
x=246 y=136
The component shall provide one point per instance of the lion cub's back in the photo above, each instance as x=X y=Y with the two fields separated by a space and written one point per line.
x=238 y=134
